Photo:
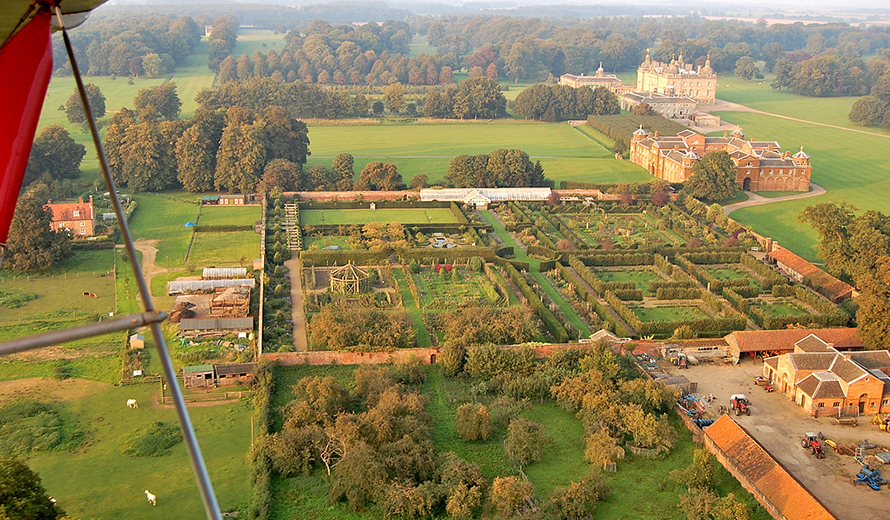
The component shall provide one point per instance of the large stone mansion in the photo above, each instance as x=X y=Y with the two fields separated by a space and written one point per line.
x=677 y=79
x=760 y=165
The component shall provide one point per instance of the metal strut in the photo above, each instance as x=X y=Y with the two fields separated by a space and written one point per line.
x=211 y=507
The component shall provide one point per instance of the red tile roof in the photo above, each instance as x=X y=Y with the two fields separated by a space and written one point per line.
x=65 y=212
x=828 y=285
x=769 y=340
x=765 y=473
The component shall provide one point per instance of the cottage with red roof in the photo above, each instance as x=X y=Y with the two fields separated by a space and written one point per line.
x=77 y=217
x=828 y=382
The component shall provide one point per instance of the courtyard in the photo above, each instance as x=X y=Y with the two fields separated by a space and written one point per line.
x=778 y=424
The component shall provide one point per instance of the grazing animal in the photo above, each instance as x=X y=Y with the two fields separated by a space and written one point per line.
x=131 y=403
x=151 y=498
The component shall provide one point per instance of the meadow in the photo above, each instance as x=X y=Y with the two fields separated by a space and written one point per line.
x=428 y=148
x=227 y=249
x=98 y=481
x=852 y=166
x=406 y=216
x=252 y=40
x=229 y=215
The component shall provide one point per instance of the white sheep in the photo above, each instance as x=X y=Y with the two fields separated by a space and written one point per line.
x=131 y=403
x=151 y=498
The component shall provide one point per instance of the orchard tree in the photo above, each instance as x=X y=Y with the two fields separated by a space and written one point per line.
x=473 y=422
x=74 y=108
x=55 y=155
x=22 y=496
x=511 y=496
x=32 y=244
x=578 y=500
x=525 y=441
x=713 y=177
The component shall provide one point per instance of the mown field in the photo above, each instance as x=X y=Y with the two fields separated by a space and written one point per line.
x=428 y=148
x=251 y=40
x=852 y=166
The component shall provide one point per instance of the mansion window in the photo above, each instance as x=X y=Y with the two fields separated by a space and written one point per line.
x=82 y=223
x=835 y=404
x=76 y=213
x=821 y=405
x=770 y=172
x=83 y=231
x=886 y=402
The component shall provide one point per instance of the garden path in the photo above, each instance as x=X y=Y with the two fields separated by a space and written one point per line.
x=757 y=200
x=301 y=343
x=149 y=253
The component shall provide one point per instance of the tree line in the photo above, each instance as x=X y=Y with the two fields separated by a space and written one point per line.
x=874 y=109
x=824 y=75
x=498 y=169
x=150 y=45
x=560 y=102
x=223 y=36
x=535 y=48
x=857 y=246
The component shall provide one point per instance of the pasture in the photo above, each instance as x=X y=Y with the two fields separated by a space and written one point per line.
x=161 y=217
x=427 y=148
x=406 y=216
x=99 y=481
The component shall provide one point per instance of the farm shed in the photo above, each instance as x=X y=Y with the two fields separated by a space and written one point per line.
x=223 y=273
x=187 y=286
x=199 y=376
x=215 y=325
x=804 y=272
x=137 y=341
x=762 y=342
x=234 y=374
x=232 y=200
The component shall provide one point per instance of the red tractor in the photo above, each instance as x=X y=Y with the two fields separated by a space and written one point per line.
x=811 y=440
x=740 y=404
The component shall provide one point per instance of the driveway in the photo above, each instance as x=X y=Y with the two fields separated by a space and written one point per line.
x=756 y=200
x=778 y=424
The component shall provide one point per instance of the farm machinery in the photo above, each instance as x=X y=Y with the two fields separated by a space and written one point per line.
x=870 y=477
x=811 y=441
x=882 y=422
x=740 y=403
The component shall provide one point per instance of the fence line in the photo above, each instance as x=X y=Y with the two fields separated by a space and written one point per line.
x=210 y=398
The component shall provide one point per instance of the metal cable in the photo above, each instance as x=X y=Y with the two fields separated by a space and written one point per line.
x=211 y=507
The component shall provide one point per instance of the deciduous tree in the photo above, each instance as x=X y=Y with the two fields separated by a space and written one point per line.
x=32 y=245
x=22 y=496
x=713 y=177
x=525 y=441
x=55 y=155
x=162 y=99
x=74 y=107
x=473 y=422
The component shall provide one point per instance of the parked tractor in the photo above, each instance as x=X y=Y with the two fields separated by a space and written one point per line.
x=882 y=422
x=740 y=404
x=811 y=441
x=680 y=361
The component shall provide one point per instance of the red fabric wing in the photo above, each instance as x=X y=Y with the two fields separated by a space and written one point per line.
x=26 y=63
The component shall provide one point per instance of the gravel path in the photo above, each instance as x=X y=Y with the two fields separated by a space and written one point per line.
x=756 y=200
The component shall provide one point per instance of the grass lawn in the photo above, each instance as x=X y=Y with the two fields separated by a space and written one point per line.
x=672 y=313
x=640 y=277
x=229 y=215
x=783 y=308
x=412 y=308
x=192 y=77
x=59 y=294
x=404 y=216
x=325 y=241
x=81 y=481
x=563 y=461
x=427 y=148
x=224 y=249
x=250 y=40
x=160 y=216
x=726 y=273
x=419 y=45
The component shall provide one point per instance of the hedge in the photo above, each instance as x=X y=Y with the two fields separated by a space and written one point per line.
x=677 y=293
x=89 y=245
x=667 y=327
x=544 y=252
x=261 y=471
x=628 y=294
x=654 y=286
x=622 y=127
x=769 y=277
x=611 y=259
x=736 y=300
x=714 y=257
x=782 y=290
x=553 y=325
x=598 y=307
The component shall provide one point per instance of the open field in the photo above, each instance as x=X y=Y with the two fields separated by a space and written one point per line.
x=82 y=482
x=427 y=148
x=250 y=40
x=419 y=45
x=671 y=313
x=404 y=216
x=161 y=217
x=228 y=249
x=230 y=215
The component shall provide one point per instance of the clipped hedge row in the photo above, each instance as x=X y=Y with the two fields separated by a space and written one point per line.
x=458 y=214
x=714 y=257
x=668 y=327
x=628 y=294
x=553 y=325
x=769 y=277
x=261 y=469
x=598 y=307
x=90 y=245
x=782 y=290
x=610 y=259
x=365 y=204
x=655 y=285
x=750 y=291
x=737 y=301
x=678 y=293
x=543 y=252
x=812 y=320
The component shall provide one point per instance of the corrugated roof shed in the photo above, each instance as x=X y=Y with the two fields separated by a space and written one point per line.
x=236 y=368
x=216 y=324
x=752 y=460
